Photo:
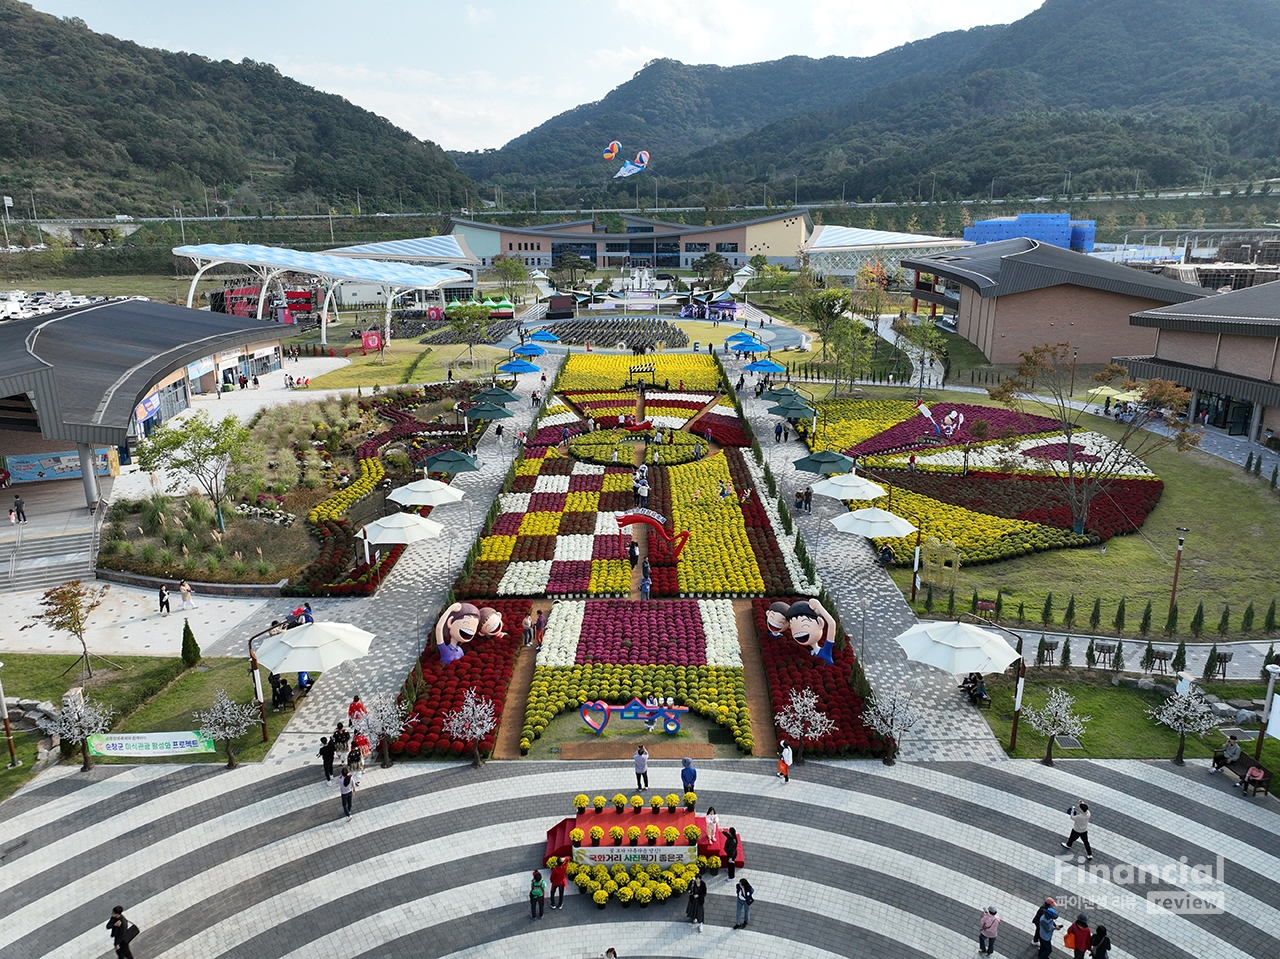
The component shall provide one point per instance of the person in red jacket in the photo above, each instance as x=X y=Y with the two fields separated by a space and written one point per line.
x=356 y=710
x=1083 y=935
x=559 y=878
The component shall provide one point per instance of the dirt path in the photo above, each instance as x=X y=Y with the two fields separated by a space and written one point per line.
x=755 y=680
x=639 y=532
x=507 y=745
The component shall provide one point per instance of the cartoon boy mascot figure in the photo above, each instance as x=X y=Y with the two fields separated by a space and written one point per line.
x=813 y=626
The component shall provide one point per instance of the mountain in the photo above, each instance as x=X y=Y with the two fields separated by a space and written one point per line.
x=94 y=124
x=1113 y=92
x=671 y=108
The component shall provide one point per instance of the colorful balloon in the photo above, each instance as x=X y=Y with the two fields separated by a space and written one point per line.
x=642 y=159
x=632 y=167
x=612 y=150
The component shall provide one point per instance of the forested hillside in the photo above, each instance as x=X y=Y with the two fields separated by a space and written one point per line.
x=1117 y=94
x=96 y=125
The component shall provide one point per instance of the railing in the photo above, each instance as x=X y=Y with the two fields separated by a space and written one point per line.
x=13 y=555
x=99 y=514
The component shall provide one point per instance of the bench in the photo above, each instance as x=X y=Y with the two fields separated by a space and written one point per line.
x=1242 y=766
x=983 y=701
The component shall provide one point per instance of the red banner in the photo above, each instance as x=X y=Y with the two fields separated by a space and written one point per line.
x=371 y=340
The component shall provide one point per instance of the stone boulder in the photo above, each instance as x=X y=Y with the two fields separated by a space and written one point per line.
x=1146 y=682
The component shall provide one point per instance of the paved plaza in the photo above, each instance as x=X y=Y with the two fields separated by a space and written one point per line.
x=851 y=858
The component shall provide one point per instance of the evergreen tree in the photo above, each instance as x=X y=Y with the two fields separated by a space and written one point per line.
x=1275 y=475
x=1090 y=655
x=1171 y=623
x=1271 y=657
x=1065 y=660
x=1210 y=664
x=999 y=611
x=190 y=650
x=1248 y=463
x=1022 y=614
x=928 y=598
x=1144 y=626
x=1197 y=620
x=951 y=604
x=973 y=603
x=1179 y=657
x=1118 y=621
x=1257 y=466
x=1224 y=624
x=1246 y=621
x=1269 y=624
x=1069 y=617
x=1042 y=651
x=1148 y=658
x=1046 y=614
x=1095 y=617
x=1117 y=661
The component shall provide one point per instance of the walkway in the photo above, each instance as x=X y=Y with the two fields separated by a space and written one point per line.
x=848 y=859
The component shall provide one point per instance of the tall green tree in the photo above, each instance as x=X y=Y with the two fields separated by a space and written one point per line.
x=511 y=273
x=713 y=266
x=202 y=450
x=824 y=309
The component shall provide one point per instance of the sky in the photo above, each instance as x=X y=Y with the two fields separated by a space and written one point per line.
x=473 y=75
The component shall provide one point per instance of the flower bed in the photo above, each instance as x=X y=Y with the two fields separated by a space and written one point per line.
x=487 y=666
x=599 y=447
x=726 y=429
x=788 y=666
x=718 y=558
x=908 y=433
x=979 y=537
x=595 y=372
x=846 y=423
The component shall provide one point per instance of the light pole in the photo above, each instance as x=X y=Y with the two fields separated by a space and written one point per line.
x=1072 y=391
x=1177 y=566
x=862 y=654
x=14 y=762
x=1272 y=668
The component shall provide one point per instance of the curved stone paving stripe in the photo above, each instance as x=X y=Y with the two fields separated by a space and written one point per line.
x=850 y=858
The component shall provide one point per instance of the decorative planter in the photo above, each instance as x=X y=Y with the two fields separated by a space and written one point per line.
x=595 y=841
x=636 y=841
x=653 y=842
x=601 y=905
x=625 y=904
x=643 y=904
x=671 y=842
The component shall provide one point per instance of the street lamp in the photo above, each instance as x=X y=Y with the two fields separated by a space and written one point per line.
x=1177 y=566
x=1072 y=391
x=14 y=762
x=1272 y=668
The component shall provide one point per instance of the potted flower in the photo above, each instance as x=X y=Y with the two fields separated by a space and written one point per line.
x=644 y=896
x=625 y=895
x=552 y=862
x=633 y=834
x=671 y=834
x=600 y=898
x=598 y=803
x=619 y=803
x=661 y=892
x=597 y=834
x=637 y=803
x=582 y=880
x=580 y=802
x=655 y=803
x=575 y=836
x=714 y=863
x=571 y=870
x=673 y=802
x=690 y=801
x=616 y=834
x=692 y=834
x=651 y=833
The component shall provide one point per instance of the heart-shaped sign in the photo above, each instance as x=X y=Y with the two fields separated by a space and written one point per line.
x=595 y=715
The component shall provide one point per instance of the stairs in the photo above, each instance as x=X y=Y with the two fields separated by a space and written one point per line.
x=39 y=562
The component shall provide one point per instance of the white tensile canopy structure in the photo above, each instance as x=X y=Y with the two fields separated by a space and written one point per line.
x=270 y=263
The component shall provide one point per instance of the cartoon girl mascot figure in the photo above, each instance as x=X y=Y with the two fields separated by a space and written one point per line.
x=813 y=626
x=491 y=623
x=459 y=624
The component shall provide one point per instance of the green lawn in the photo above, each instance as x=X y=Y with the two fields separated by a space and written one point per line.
x=1229 y=555
x=401 y=357
x=569 y=727
x=1119 y=729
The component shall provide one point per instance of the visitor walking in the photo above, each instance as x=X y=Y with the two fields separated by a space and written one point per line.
x=988 y=929
x=641 y=758
x=1048 y=924
x=19 y=509
x=1101 y=943
x=786 y=433
x=164 y=599
x=185 y=589
x=746 y=896
x=1080 y=817
x=356 y=710
x=539 y=627
x=730 y=851
x=527 y=623
x=698 y=902
x=784 y=761
x=326 y=754
x=1078 y=937
x=808 y=499
x=688 y=775
x=645 y=585
x=633 y=553
x=1035 y=921
x=122 y=932
x=347 y=790
x=537 y=891
x=797 y=504
x=777 y=432
x=645 y=568
x=559 y=879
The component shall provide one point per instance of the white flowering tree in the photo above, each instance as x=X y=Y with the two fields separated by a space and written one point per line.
x=472 y=722
x=383 y=722
x=77 y=724
x=893 y=715
x=1184 y=713
x=226 y=720
x=803 y=719
x=1057 y=718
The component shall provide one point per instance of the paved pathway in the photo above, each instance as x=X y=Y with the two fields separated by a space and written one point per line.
x=848 y=859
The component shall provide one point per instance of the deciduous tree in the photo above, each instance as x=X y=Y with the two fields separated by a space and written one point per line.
x=1184 y=713
x=383 y=721
x=893 y=715
x=67 y=608
x=803 y=720
x=225 y=721
x=199 y=449
x=470 y=325
x=471 y=722
x=77 y=724
x=1057 y=718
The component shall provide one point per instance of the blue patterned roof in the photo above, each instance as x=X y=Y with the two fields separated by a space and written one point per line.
x=444 y=247
x=840 y=237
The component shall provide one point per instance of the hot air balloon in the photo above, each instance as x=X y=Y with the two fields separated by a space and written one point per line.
x=612 y=150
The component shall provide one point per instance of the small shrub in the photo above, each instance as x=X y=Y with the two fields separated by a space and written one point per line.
x=1095 y=615
x=1117 y=661
x=1065 y=660
x=1046 y=613
x=1069 y=617
x=1224 y=623
x=1246 y=620
x=1179 y=662
x=1210 y=664
x=190 y=649
x=1090 y=655
x=1269 y=624
x=1148 y=658
x=1144 y=627
x=1042 y=652
x=1171 y=621
x=1197 y=620
x=1118 y=621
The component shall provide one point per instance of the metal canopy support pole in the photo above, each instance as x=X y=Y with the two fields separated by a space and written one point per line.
x=89 y=473
x=324 y=311
x=387 y=294
x=191 y=293
x=267 y=277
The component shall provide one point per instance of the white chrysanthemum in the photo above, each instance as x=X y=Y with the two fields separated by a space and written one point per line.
x=587 y=469
x=574 y=546
x=607 y=524
x=558 y=419
x=721 y=629
x=525 y=579
x=668 y=422
x=786 y=544
x=551 y=484
x=513 y=503
x=560 y=641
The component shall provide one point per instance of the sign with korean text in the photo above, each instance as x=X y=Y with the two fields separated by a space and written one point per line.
x=150 y=744
x=148 y=408
x=663 y=854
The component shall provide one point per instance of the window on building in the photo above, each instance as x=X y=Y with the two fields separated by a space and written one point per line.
x=539 y=246
x=639 y=229
x=726 y=248
x=510 y=246
x=697 y=247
